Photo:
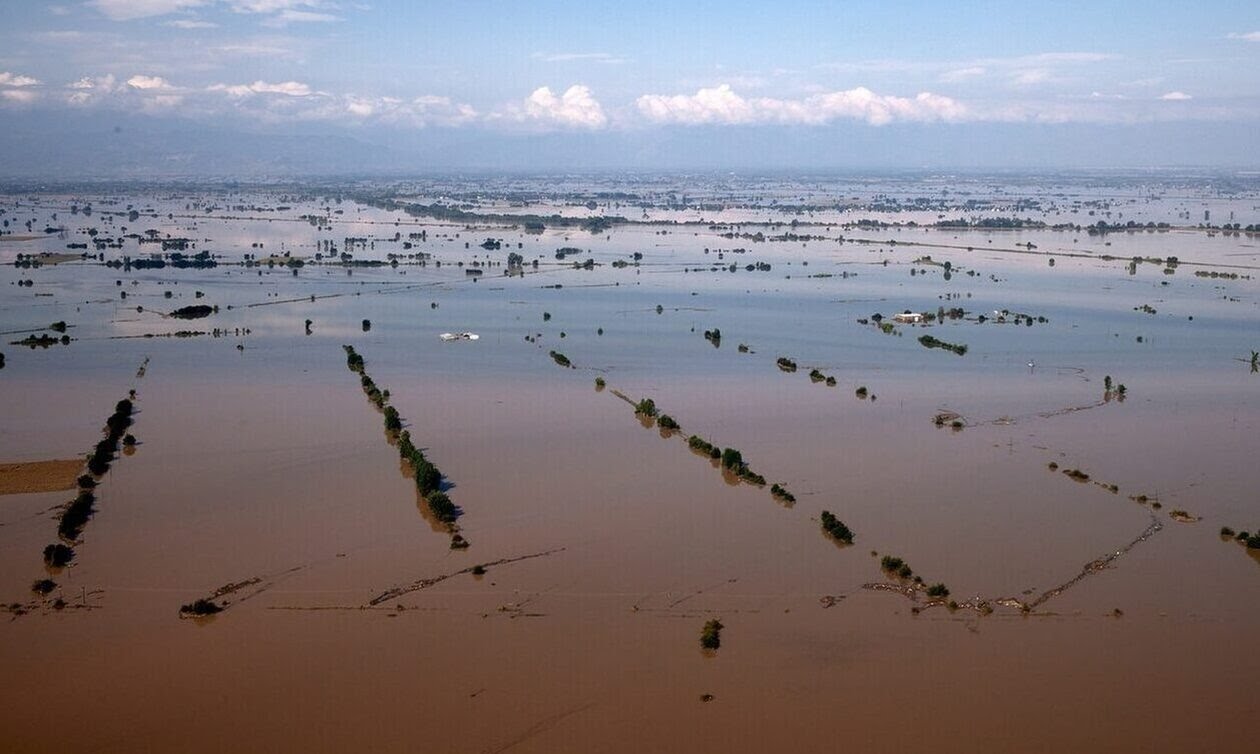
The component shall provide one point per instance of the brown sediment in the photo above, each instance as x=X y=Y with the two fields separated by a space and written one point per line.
x=39 y=476
x=416 y=586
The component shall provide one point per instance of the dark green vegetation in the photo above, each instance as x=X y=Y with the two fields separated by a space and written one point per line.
x=43 y=587
x=196 y=311
x=786 y=364
x=76 y=513
x=665 y=421
x=714 y=336
x=1077 y=475
x=200 y=608
x=938 y=590
x=698 y=443
x=1249 y=539
x=835 y=528
x=711 y=635
x=427 y=476
x=781 y=493
x=861 y=392
x=599 y=383
x=646 y=407
x=43 y=340
x=896 y=567
x=930 y=342
x=58 y=555
x=561 y=359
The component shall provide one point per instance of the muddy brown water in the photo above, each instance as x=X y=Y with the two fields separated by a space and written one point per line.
x=269 y=463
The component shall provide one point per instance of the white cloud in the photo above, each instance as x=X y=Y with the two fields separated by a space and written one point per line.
x=286 y=17
x=576 y=108
x=579 y=57
x=19 y=96
x=148 y=83
x=16 y=80
x=721 y=105
x=270 y=6
x=192 y=23
x=1030 y=77
x=1248 y=36
x=962 y=74
x=126 y=10
x=106 y=83
x=1175 y=97
x=289 y=88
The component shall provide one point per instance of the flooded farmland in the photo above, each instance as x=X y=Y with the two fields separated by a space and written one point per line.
x=1031 y=403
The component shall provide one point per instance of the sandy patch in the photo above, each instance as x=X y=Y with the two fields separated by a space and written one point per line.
x=39 y=476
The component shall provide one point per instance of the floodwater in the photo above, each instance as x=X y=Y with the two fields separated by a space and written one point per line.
x=259 y=459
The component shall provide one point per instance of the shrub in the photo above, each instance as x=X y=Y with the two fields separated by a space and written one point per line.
x=76 y=516
x=58 y=555
x=780 y=492
x=202 y=606
x=599 y=382
x=930 y=342
x=711 y=635
x=561 y=359
x=938 y=590
x=732 y=459
x=441 y=506
x=836 y=528
x=1226 y=531
x=393 y=422
x=43 y=587
x=646 y=407
x=786 y=364
x=667 y=422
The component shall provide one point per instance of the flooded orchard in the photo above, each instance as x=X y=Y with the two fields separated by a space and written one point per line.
x=632 y=464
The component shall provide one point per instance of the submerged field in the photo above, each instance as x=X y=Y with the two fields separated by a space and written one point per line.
x=1054 y=449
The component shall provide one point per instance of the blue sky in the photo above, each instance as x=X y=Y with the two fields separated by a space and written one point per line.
x=490 y=73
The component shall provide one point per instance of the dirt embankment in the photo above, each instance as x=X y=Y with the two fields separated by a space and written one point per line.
x=39 y=476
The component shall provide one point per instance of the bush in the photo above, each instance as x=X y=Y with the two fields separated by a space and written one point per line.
x=58 y=555
x=836 y=528
x=200 y=607
x=43 y=587
x=441 y=506
x=76 y=516
x=646 y=407
x=781 y=493
x=786 y=364
x=667 y=422
x=929 y=342
x=938 y=590
x=732 y=459
x=561 y=359
x=599 y=382
x=711 y=635
x=393 y=422
x=1226 y=531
